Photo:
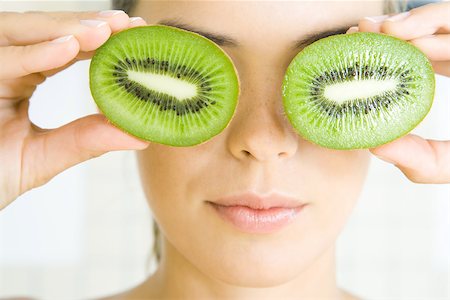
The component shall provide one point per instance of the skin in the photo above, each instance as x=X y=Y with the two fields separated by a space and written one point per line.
x=258 y=151
x=296 y=262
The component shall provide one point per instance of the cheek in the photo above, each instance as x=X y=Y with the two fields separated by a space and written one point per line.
x=173 y=180
x=170 y=171
x=336 y=180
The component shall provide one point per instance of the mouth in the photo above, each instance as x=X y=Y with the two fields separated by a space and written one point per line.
x=252 y=213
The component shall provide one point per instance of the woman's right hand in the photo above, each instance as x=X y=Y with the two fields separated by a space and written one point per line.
x=33 y=46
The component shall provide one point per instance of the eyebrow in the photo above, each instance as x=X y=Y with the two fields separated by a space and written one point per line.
x=313 y=37
x=223 y=40
x=219 y=39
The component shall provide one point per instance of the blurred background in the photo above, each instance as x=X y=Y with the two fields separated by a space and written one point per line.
x=88 y=232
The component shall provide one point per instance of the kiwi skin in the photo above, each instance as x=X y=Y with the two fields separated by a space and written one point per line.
x=137 y=133
x=387 y=130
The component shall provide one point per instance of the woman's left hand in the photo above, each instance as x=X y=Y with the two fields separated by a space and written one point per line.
x=428 y=28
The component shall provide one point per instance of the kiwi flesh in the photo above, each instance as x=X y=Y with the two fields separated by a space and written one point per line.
x=164 y=84
x=356 y=91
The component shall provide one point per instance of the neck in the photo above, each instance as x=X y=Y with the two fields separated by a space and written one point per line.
x=177 y=278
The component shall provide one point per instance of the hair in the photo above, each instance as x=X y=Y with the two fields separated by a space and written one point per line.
x=390 y=7
x=125 y=5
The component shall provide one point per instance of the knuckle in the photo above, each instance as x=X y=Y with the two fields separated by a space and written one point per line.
x=414 y=177
x=81 y=146
x=420 y=176
x=22 y=54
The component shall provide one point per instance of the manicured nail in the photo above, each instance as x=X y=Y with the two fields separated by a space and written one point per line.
x=353 y=29
x=399 y=17
x=93 y=23
x=62 y=39
x=110 y=13
x=376 y=19
x=136 y=19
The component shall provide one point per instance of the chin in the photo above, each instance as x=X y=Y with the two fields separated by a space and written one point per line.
x=262 y=262
x=260 y=276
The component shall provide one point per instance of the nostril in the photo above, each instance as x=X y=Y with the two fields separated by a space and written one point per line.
x=246 y=153
x=282 y=154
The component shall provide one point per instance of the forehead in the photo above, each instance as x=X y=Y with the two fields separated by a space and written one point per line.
x=261 y=21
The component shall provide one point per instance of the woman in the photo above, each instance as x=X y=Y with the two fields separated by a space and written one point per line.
x=257 y=157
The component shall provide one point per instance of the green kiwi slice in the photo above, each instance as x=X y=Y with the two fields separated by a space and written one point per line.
x=359 y=90
x=164 y=84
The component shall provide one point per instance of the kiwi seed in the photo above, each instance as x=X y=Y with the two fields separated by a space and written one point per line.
x=164 y=85
x=358 y=90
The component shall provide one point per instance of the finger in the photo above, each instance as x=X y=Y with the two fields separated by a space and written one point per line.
x=80 y=57
x=117 y=19
x=19 y=29
x=49 y=153
x=136 y=21
x=418 y=22
x=371 y=24
x=422 y=161
x=436 y=47
x=441 y=67
x=133 y=22
x=352 y=29
x=13 y=88
x=17 y=61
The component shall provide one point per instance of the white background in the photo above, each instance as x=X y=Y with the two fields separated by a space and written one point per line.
x=87 y=233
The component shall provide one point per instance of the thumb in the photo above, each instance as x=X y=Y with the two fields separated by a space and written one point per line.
x=421 y=160
x=48 y=153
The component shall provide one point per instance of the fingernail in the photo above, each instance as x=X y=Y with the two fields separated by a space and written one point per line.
x=376 y=19
x=93 y=23
x=353 y=29
x=136 y=19
x=61 y=40
x=399 y=17
x=110 y=13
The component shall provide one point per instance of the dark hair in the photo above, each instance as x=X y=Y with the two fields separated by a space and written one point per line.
x=125 y=5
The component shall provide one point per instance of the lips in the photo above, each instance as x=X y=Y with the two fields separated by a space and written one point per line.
x=252 y=213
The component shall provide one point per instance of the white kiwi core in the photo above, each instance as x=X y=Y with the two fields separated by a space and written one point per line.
x=164 y=84
x=358 y=89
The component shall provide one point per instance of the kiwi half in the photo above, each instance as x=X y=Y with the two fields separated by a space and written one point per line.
x=359 y=90
x=164 y=85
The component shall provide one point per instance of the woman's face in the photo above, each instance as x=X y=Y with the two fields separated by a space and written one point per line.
x=258 y=151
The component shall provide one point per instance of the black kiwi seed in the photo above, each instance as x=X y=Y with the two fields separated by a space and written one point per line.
x=162 y=54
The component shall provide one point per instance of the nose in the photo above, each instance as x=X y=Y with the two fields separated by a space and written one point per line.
x=259 y=131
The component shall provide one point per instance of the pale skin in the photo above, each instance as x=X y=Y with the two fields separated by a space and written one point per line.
x=204 y=258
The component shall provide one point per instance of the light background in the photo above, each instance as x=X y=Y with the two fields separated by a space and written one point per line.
x=87 y=233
